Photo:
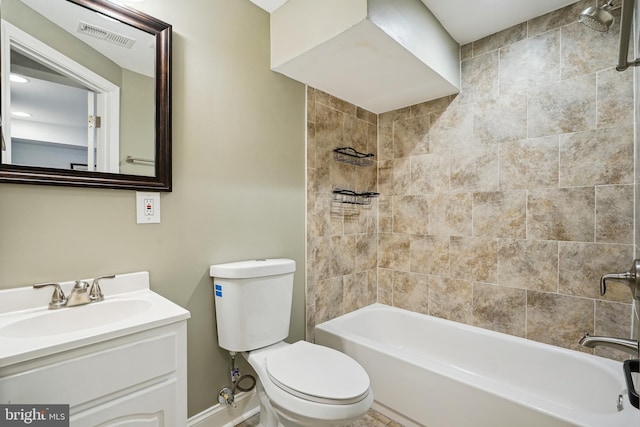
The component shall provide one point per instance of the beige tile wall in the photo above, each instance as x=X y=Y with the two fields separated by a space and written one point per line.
x=501 y=206
x=636 y=71
x=341 y=239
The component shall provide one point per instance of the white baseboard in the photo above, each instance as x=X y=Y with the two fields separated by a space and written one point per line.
x=227 y=416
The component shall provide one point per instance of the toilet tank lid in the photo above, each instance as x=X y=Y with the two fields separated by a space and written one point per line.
x=252 y=268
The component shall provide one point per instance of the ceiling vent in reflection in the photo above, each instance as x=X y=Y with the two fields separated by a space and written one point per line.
x=101 y=33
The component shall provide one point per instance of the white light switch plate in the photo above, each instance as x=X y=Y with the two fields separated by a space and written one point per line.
x=148 y=208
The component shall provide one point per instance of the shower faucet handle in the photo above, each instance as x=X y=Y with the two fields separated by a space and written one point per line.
x=631 y=277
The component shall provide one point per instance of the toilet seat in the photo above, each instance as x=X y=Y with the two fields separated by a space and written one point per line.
x=318 y=374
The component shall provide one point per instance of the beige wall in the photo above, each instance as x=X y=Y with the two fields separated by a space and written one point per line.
x=137 y=116
x=502 y=206
x=238 y=186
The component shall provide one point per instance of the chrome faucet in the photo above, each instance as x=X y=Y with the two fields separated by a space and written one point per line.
x=632 y=280
x=629 y=346
x=81 y=293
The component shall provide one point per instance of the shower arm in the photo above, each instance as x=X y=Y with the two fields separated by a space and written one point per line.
x=625 y=32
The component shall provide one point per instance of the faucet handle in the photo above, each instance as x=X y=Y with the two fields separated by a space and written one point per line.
x=57 y=298
x=631 y=277
x=95 y=293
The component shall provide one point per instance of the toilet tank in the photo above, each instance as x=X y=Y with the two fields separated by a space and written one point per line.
x=253 y=302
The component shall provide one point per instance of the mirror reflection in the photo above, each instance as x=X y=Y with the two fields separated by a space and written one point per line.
x=78 y=89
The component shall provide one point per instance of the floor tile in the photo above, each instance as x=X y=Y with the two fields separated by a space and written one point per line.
x=370 y=419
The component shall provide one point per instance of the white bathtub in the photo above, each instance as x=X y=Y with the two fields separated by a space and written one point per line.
x=427 y=371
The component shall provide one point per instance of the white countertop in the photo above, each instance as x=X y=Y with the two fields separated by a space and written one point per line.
x=25 y=303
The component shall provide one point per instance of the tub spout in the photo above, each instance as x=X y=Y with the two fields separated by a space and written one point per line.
x=629 y=346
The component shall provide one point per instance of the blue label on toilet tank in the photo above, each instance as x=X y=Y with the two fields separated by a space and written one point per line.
x=218 y=290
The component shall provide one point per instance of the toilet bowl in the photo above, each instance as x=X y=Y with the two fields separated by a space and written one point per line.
x=299 y=384
x=305 y=384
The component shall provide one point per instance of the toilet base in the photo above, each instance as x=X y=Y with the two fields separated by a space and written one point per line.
x=268 y=415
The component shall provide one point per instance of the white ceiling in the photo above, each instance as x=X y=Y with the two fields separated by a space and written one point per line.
x=139 y=58
x=51 y=103
x=470 y=20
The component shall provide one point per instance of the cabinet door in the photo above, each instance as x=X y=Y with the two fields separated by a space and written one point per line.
x=154 y=406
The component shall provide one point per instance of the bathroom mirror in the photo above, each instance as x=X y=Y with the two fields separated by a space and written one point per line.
x=86 y=95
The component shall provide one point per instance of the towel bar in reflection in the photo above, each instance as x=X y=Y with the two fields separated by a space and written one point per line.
x=131 y=159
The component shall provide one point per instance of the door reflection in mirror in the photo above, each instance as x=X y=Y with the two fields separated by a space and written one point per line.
x=49 y=125
x=88 y=108
x=57 y=102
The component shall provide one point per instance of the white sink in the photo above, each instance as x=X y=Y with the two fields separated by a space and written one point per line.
x=74 y=319
x=28 y=329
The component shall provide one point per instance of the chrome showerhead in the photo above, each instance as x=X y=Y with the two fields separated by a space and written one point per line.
x=597 y=18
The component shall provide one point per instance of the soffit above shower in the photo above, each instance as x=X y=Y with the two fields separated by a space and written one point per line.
x=376 y=54
x=470 y=20
x=269 y=5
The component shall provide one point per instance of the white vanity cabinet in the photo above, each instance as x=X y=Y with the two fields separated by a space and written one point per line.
x=139 y=377
x=151 y=407
x=132 y=374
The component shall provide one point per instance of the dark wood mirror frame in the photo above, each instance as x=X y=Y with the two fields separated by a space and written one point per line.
x=162 y=179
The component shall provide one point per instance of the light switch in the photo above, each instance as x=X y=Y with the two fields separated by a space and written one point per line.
x=148 y=207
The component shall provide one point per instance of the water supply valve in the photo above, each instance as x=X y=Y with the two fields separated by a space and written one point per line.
x=226 y=397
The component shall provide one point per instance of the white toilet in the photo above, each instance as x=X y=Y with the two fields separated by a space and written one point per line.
x=300 y=384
